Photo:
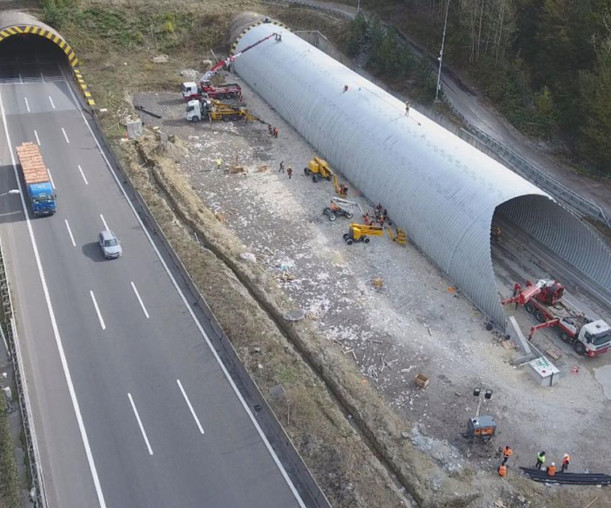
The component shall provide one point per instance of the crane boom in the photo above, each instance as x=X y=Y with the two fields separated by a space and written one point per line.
x=219 y=65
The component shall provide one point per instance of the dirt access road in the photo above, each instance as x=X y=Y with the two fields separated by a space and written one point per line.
x=476 y=110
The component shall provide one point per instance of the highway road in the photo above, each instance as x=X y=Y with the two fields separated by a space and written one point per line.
x=132 y=407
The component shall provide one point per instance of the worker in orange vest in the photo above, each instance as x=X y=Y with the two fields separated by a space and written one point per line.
x=551 y=470
x=565 y=462
x=502 y=470
x=507 y=452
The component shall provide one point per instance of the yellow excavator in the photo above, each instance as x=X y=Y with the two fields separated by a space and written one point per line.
x=319 y=168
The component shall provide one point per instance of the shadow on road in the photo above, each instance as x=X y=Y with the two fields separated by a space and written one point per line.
x=93 y=252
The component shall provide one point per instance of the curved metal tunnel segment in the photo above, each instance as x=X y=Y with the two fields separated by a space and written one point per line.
x=15 y=23
x=442 y=190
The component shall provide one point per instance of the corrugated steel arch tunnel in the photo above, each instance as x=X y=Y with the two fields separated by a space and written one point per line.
x=442 y=190
x=20 y=24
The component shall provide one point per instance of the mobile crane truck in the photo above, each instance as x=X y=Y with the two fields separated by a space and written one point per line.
x=589 y=337
x=191 y=90
x=37 y=180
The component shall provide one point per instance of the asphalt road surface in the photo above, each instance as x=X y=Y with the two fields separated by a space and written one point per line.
x=131 y=406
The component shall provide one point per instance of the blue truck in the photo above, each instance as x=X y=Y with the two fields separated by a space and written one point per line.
x=37 y=180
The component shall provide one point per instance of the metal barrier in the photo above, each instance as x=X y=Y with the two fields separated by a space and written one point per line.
x=37 y=494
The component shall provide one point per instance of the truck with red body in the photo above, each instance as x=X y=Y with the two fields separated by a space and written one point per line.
x=590 y=337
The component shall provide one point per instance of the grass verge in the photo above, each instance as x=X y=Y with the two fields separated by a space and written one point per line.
x=9 y=479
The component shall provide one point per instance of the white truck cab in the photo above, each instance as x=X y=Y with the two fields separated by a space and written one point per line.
x=189 y=90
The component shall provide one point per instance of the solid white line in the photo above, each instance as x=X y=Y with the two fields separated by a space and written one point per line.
x=83 y=174
x=42 y=76
x=51 y=101
x=146 y=439
x=26 y=104
x=37 y=138
x=140 y=300
x=51 y=178
x=65 y=135
x=104 y=222
x=190 y=310
x=97 y=309
x=70 y=232
x=184 y=394
x=58 y=340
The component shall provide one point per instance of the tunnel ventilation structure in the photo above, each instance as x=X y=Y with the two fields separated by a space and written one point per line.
x=441 y=189
x=15 y=23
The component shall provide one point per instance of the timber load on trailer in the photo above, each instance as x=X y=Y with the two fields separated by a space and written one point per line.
x=37 y=180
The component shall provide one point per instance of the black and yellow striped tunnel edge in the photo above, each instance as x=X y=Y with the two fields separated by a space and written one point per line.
x=261 y=22
x=57 y=40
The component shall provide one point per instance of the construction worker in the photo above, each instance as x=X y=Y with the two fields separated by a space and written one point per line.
x=565 y=462
x=289 y=171
x=219 y=163
x=551 y=470
x=281 y=169
x=345 y=88
x=502 y=470
x=366 y=220
x=407 y=105
x=270 y=129
x=497 y=233
x=540 y=460
x=275 y=132
x=507 y=452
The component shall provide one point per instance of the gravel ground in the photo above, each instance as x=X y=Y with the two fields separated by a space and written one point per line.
x=415 y=323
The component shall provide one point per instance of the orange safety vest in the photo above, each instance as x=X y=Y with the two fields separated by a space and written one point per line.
x=507 y=452
x=551 y=471
x=502 y=470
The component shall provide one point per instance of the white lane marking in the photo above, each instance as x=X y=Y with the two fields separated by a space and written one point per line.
x=97 y=309
x=37 y=138
x=83 y=174
x=20 y=79
x=65 y=136
x=184 y=394
x=146 y=439
x=52 y=105
x=70 y=233
x=58 y=340
x=51 y=178
x=189 y=309
x=140 y=300
x=27 y=105
x=42 y=77
x=104 y=222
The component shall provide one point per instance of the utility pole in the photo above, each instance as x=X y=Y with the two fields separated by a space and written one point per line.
x=358 y=6
x=443 y=40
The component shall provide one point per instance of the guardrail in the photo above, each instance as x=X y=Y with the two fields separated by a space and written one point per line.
x=37 y=494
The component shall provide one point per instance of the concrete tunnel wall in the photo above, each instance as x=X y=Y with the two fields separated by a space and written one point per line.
x=442 y=190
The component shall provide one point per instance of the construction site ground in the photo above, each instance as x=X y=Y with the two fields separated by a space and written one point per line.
x=386 y=308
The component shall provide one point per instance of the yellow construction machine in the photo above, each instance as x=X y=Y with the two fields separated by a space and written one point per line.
x=361 y=233
x=319 y=169
x=216 y=110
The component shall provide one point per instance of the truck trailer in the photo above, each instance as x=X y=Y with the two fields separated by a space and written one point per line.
x=588 y=336
x=37 y=180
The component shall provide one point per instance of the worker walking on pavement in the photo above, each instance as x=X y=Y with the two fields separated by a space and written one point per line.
x=219 y=163
x=540 y=460
x=507 y=452
x=565 y=462
x=289 y=172
x=551 y=470
x=275 y=132
x=281 y=168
